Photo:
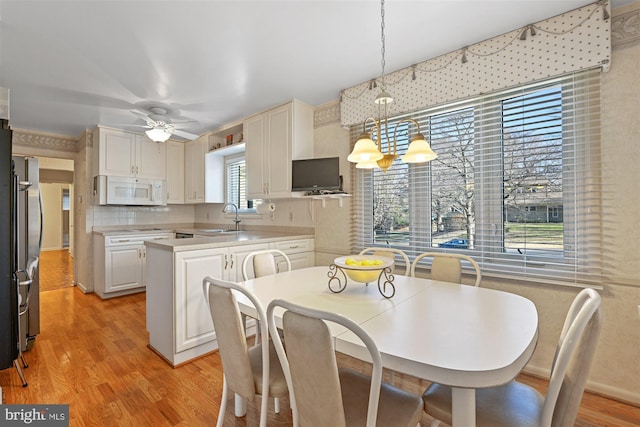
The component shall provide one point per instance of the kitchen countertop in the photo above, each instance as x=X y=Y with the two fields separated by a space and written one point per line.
x=226 y=239
x=205 y=238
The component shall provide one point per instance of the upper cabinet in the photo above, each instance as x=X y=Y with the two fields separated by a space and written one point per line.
x=122 y=153
x=194 y=153
x=175 y=172
x=273 y=139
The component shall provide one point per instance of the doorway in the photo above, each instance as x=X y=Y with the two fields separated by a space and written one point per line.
x=56 y=256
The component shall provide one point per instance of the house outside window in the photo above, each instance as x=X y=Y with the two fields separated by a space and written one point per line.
x=513 y=185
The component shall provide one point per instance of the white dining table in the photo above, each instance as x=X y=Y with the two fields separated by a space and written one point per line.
x=463 y=336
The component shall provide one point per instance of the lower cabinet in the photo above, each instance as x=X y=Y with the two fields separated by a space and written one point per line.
x=178 y=318
x=119 y=263
x=300 y=253
x=124 y=267
x=193 y=320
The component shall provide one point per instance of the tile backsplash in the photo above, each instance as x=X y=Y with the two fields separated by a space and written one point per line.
x=141 y=215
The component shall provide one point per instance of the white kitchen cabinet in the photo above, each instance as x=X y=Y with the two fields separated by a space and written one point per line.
x=300 y=253
x=124 y=268
x=193 y=320
x=178 y=319
x=175 y=172
x=194 y=154
x=273 y=139
x=193 y=324
x=128 y=154
x=119 y=263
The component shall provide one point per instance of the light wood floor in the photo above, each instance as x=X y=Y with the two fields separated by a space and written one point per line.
x=92 y=354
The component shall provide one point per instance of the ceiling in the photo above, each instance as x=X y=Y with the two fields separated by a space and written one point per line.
x=71 y=65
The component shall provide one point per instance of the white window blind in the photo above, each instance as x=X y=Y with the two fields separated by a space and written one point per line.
x=236 y=182
x=516 y=184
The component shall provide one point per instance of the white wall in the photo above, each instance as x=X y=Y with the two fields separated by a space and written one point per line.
x=52 y=211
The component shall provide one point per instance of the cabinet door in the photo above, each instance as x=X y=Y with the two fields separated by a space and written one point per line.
x=255 y=149
x=151 y=158
x=299 y=260
x=193 y=319
x=194 y=170
x=124 y=268
x=175 y=172
x=117 y=152
x=278 y=157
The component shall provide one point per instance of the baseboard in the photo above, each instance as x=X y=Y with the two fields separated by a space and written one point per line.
x=606 y=390
x=83 y=288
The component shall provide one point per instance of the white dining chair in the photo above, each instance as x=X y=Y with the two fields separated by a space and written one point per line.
x=447 y=267
x=519 y=405
x=389 y=253
x=323 y=395
x=264 y=263
x=248 y=371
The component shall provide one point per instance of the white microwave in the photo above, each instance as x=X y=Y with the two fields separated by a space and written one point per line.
x=117 y=190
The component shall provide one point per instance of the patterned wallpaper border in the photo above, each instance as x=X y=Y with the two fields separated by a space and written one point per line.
x=46 y=140
x=625 y=28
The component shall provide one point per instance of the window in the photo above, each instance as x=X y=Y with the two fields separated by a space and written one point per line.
x=515 y=184
x=236 y=188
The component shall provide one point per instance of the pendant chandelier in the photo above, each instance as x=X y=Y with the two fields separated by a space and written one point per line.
x=366 y=153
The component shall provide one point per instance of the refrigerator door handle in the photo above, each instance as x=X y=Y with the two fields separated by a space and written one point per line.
x=41 y=222
x=25 y=185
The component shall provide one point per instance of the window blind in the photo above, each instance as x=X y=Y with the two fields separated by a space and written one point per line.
x=236 y=181
x=516 y=184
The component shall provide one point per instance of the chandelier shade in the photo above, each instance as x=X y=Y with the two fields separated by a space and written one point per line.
x=419 y=151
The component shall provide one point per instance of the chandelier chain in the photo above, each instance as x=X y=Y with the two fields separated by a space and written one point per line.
x=382 y=62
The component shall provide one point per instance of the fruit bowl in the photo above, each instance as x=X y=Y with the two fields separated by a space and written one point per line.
x=363 y=268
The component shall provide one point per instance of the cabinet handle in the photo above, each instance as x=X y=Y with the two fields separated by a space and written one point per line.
x=294 y=247
x=231 y=256
x=131 y=169
x=226 y=262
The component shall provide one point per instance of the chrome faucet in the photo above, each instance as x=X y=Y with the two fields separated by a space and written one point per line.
x=235 y=207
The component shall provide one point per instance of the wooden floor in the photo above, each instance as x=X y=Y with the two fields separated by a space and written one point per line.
x=56 y=270
x=93 y=355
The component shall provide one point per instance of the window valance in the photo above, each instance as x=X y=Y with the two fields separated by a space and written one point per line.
x=575 y=40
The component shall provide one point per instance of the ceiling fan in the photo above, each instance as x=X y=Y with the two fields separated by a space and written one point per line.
x=160 y=127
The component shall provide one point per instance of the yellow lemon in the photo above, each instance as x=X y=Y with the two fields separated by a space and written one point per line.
x=350 y=261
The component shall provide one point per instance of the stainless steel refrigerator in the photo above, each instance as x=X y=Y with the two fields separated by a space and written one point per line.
x=8 y=287
x=29 y=222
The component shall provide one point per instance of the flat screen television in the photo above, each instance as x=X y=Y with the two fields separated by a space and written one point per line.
x=315 y=175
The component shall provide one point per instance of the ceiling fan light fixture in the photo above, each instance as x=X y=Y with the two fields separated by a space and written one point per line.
x=158 y=134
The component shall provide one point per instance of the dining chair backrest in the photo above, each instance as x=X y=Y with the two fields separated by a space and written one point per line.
x=447 y=267
x=264 y=263
x=572 y=360
x=310 y=365
x=239 y=367
x=389 y=253
x=230 y=334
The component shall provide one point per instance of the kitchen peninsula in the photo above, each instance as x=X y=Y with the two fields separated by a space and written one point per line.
x=178 y=319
